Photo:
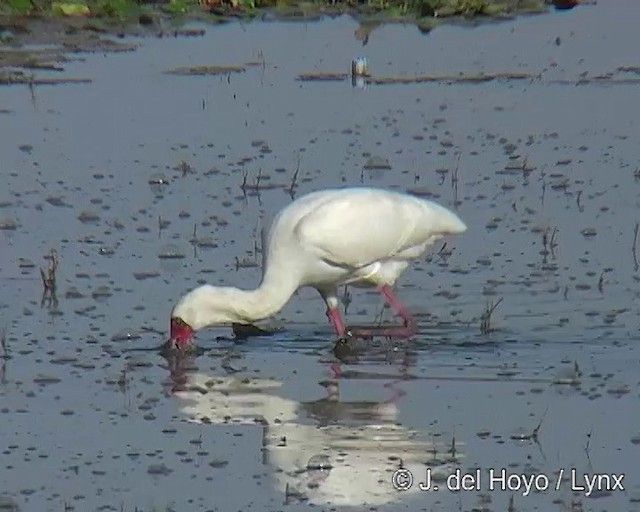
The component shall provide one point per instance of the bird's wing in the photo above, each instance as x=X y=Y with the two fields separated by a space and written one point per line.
x=356 y=231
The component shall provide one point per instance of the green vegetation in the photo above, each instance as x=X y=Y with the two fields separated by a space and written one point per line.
x=426 y=13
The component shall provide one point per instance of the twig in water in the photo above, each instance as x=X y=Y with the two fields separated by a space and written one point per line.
x=536 y=431
x=346 y=299
x=32 y=90
x=123 y=380
x=49 y=277
x=294 y=180
x=485 y=319
x=587 y=447
x=454 y=180
x=243 y=186
x=552 y=243
x=184 y=168
x=454 y=174
x=444 y=252
x=3 y=343
x=49 y=296
x=453 y=450
x=549 y=242
x=634 y=247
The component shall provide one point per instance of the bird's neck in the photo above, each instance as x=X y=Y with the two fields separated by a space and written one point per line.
x=266 y=300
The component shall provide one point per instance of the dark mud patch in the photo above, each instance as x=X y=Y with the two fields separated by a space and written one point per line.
x=206 y=70
x=618 y=77
x=21 y=78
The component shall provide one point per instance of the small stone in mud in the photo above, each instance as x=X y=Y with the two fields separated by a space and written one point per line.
x=8 y=504
x=46 y=379
x=207 y=243
x=63 y=360
x=319 y=462
x=125 y=335
x=423 y=192
x=8 y=224
x=56 y=201
x=101 y=292
x=376 y=162
x=25 y=263
x=159 y=469
x=88 y=217
x=171 y=255
x=618 y=391
x=141 y=276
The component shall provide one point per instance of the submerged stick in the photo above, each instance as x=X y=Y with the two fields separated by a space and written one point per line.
x=634 y=247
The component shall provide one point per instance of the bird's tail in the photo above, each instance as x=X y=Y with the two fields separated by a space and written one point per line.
x=448 y=222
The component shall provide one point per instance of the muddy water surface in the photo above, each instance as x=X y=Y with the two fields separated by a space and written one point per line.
x=135 y=179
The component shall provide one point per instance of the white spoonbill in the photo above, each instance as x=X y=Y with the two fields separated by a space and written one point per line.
x=358 y=236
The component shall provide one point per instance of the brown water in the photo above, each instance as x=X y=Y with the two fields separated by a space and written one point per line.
x=90 y=421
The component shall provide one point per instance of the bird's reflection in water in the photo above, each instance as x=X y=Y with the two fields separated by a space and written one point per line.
x=326 y=451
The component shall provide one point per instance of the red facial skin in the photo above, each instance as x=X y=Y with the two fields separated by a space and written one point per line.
x=181 y=333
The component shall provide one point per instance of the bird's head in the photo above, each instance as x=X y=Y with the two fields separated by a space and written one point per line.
x=202 y=307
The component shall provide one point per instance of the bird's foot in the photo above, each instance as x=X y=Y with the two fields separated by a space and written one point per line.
x=346 y=348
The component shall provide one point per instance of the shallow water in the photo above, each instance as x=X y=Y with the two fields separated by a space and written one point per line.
x=92 y=423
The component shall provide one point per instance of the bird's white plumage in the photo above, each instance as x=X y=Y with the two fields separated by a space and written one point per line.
x=350 y=234
x=363 y=236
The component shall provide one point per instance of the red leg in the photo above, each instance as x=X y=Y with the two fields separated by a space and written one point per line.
x=336 y=321
x=409 y=325
x=397 y=306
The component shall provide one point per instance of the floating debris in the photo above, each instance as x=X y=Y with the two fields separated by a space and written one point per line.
x=101 y=292
x=319 y=462
x=171 y=255
x=323 y=77
x=89 y=217
x=141 y=276
x=73 y=293
x=25 y=263
x=159 y=469
x=20 y=78
x=206 y=70
x=450 y=79
x=376 y=162
x=45 y=380
x=8 y=224
x=125 y=335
